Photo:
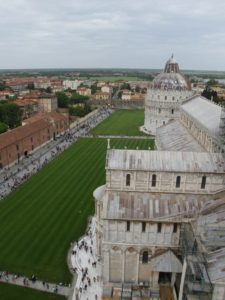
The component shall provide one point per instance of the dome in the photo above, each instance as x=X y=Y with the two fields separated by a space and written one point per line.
x=171 y=78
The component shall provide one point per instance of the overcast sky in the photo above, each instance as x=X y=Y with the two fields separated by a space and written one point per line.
x=112 y=33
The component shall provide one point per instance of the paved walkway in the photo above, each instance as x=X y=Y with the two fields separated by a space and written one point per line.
x=87 y=267
x=35 y=284
x=120 y=137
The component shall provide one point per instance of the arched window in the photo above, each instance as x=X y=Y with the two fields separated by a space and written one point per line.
x=172 y=111
x=128 y=180
x=143 y=226
x=178 y=181
x=128 y=226
x=145 y=257
x=174 y=227
x=153 y=180
x=203 y=182
x=159 y=227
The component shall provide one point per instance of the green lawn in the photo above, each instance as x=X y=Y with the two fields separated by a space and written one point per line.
x=12 y=292
x=39 y=220
x=122 y=122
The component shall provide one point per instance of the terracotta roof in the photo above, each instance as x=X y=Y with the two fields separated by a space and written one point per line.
x=56 y=116
x=17 y=134
x=45 y=116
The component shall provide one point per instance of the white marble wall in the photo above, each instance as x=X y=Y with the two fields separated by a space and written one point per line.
x=124 y=264
x=115 y=231
x=165 y=182
x=161 y=106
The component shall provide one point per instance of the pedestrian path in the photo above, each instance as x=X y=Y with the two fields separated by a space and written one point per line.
x=135 y=137
x=87 y=266
x=35 y=284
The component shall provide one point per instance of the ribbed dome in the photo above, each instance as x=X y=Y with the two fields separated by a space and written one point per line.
x=171 y=78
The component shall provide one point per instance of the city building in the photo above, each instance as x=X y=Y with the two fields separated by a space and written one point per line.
x=36 y=132
x=126 y=95
x=47 y=102
x=101 y=96
x=84 y=91
x=71 y=84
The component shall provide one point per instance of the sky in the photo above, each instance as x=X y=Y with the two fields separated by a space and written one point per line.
x=112 y=33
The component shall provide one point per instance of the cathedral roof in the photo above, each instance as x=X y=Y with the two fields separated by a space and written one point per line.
x=165 y=161
x=152 y=206
x=204 y=112
x=171 y=78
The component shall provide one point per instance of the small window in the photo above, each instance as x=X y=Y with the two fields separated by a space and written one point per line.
x=153 y=180
x=174 y=227
x=128 y=225
x=159 y=110
x=128 y=180
x=17 y=147
x=172 y=111
x=165 y=97
x=173 y=98
x=31 y=139
x=143 y=226
x=203 y=182
x=145 y=257
x=178 y=181
x=159 y=227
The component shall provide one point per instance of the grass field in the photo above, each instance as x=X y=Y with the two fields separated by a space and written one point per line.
x=40 y=219
x=122 y=122
x=12 y=292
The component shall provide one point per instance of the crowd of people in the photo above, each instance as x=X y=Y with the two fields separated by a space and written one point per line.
x=31 y=282
x=87 y=266
x=11 y=178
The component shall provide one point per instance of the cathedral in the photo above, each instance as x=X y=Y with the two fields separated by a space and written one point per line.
x=160 y=216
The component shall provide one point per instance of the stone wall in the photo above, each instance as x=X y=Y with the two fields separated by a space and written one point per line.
x=165 y=182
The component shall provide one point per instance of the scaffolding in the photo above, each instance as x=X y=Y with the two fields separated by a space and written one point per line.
x=197 y=281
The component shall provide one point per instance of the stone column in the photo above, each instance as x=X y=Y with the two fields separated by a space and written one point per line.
x=173 y=279
x=137 y=266
x=182 y=279
x=123 y=265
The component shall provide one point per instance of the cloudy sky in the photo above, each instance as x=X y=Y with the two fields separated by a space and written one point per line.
x=112 y=33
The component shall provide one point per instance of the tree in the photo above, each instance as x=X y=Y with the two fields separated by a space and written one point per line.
x=137 y=89
x=30 y=86
x=76 y=98
x=49 y=90
x=94 y=88
x=63 y=100
x=80 y=111
x=210 y=94
x=10 y=114
x=125 y=86
x=3 y=127
x=211 y=82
